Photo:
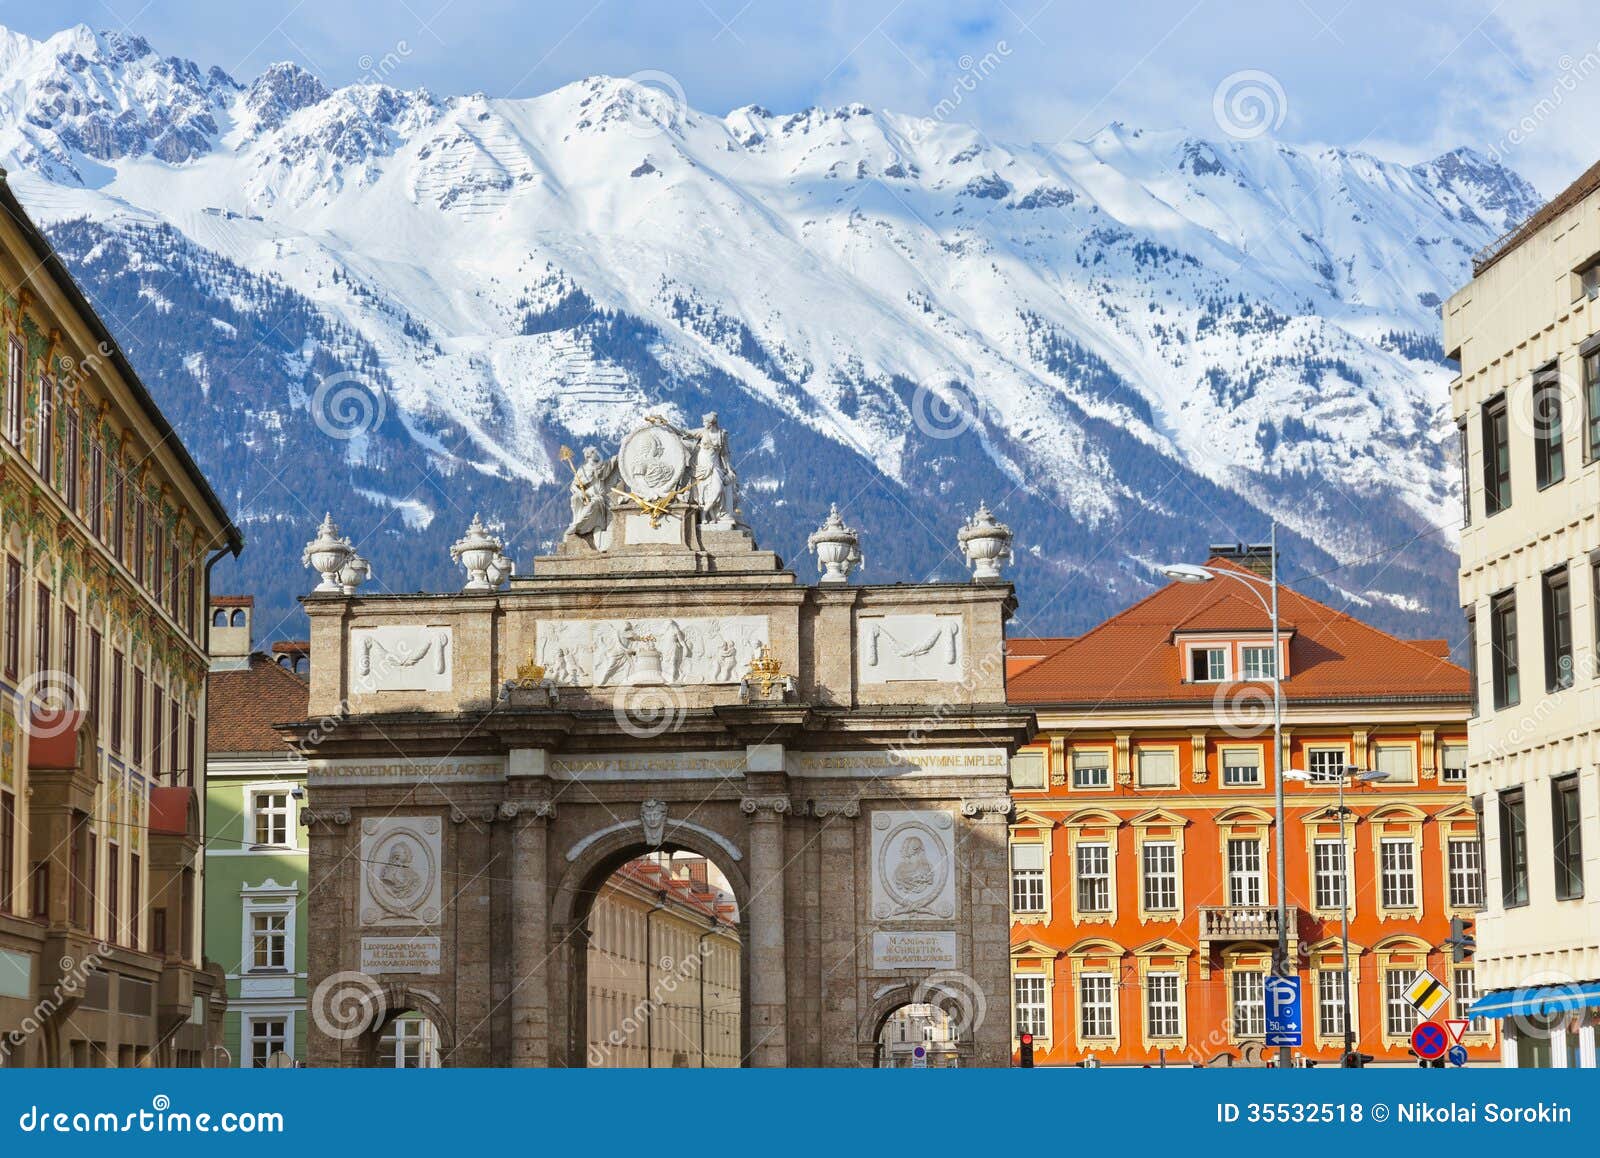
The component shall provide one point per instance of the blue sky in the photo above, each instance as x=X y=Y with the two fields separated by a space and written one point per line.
x=1520 y=78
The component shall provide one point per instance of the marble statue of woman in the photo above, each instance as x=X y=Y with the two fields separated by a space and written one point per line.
x=716 y=483
x=589 y=493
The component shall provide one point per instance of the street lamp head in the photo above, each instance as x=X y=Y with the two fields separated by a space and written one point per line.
x=1372 y=777
x=1298 y=775
x=1188 y=573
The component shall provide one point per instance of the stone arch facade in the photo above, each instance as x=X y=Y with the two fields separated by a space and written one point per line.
x=590 y=863
x=841 y=752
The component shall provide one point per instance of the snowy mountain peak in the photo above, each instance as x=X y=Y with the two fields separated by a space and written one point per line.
x=1144 y=339
x=284 y=88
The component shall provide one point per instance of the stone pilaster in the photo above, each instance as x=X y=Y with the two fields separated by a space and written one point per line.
x=530 y=923
x=984 y=851
x=326 y=898
x=840 y=946
x=768 y=982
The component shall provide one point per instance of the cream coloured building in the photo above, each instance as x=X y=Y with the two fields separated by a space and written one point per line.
x=1526 y=331
x=664 y=986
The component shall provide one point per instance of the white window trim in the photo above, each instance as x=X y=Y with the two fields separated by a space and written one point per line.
x=1144 y=750
x=269 y=897
x=1040 y=1040
x=286 y=788
x=1256 y=750
x=247 y=1020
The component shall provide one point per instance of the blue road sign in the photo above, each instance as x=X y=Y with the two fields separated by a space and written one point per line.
x=1457 y=1055
x=1283 y=1011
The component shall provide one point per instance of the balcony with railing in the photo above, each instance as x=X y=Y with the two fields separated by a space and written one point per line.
x=1238 y=923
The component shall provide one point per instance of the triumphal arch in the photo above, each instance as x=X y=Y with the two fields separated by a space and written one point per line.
x=480 y=761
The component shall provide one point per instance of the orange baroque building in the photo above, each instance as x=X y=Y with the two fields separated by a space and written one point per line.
x=1143 y=881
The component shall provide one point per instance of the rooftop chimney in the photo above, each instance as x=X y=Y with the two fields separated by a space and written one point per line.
x=230 y=631
x=293 y=655
x=1255 y=557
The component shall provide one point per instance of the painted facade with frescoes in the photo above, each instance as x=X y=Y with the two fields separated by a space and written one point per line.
x=106 y=527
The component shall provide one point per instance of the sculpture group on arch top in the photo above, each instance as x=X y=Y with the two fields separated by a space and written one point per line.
x=659 y=471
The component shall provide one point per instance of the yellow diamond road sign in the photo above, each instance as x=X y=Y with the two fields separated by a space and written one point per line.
x=1428 y=994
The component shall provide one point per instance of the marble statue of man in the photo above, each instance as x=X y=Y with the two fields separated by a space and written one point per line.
x=589 y=493
x=716 y=483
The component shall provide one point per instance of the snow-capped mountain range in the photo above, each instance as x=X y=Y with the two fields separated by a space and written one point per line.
x=1131 y=345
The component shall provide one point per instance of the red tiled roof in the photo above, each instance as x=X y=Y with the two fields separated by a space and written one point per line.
x=242 y=706
x=233 y=601
x=1130 y=658
x=705 y=900
x=1021 y=654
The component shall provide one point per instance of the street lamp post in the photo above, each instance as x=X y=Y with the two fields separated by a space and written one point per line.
x=1346 y=774
x=1189 y=573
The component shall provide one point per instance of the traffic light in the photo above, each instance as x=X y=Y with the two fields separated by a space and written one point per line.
x=1025 y=1052
x=1461 y=941
x=1355 y=1061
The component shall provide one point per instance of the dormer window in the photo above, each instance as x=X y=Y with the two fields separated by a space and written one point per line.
x=1208 y=664
x=1258 y=662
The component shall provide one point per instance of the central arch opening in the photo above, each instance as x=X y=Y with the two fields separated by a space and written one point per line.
x=664 y=966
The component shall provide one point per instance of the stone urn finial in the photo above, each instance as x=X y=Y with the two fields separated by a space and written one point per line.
x=985 y=542
x=354 y=573
x=327 y=555
x=477 y=551
x=501 y=568
x=837 y=547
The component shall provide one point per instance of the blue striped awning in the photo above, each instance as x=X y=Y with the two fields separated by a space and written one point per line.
x=1537 y=1000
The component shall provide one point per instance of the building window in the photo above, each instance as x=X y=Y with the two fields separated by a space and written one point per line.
x=14 y=378
x=43 y=614
x=1503 y=649
x=1463 y=452
x=273 y=814
x=1328 y=872
x=269 y=936
x=119 y=514
x=13 y=640
x=1589 y=278
x=117 y=668
x=1244 y=873
x=114 y=894
x=1160 y=864
x=1466 y=872
x=1496 y=457
x=1470 y=614
x=1557 y=602
x=1032 y=1010
x=1027 y=877
x=8 y=852
x=97 y=487
x=138 y=538
x=268 y=1035
x=1249 y=1004
x=1549 y=457
x=43 y=444
x=96 y=654
x=71 y=448
x=1091 y=770
x=138 y=716
x=1208 y=664
x=1466 y=992
x=1326 y=765
x=1567 y=836
x=1513 y=849
x=1162 y=1011
x=69 y=649
x=135 y=901
x=1027 y=770
x=1241 y=767
x=1400 y=1017
x=1095 y=1006
x=1398 y=864
x=1453 y=763
x=1094 y=878
x=1158 y=769
x=1396 y=761
x=1330 y=1003
x=1591 y=404
x=410 y=1043
x=1258 y=663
